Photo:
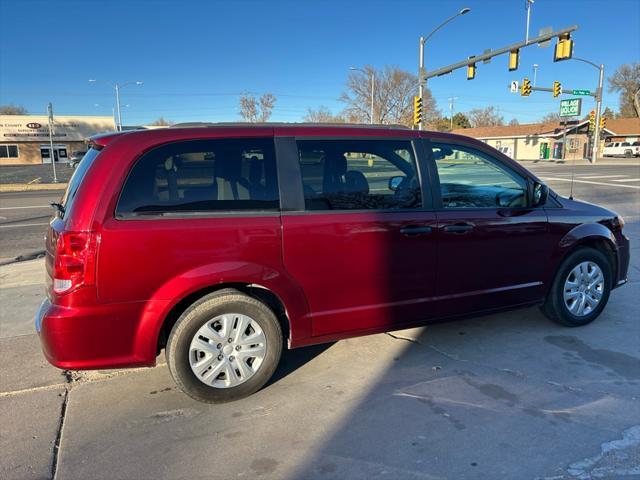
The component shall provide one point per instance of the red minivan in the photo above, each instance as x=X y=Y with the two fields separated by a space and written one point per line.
x=224 y=243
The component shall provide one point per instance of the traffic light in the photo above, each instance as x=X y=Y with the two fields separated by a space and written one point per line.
x=525 y=89
x=564 y=48
x=471 y=70
x=603 y=123
x=592 y=120
x=557 y=89
x=514 y=60
x=417 y=110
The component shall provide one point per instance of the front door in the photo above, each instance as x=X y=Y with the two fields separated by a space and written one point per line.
x=363 y=248
x=493 y=247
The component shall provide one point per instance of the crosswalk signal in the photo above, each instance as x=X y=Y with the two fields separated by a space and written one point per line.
x=471 y=71
x=592 y=120
x=564 y=48
x=417 y=110
x=525 y=89
x=514 y=60
x=603 y=123
x=557 y=89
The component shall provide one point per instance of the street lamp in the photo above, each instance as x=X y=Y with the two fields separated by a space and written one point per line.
x=371 y=73
x=422 y=83
x=535 y=73
x=596 y=130
x=117 y=87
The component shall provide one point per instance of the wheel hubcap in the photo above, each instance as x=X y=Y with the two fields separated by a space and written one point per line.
x=583 y=288
x=227 y=350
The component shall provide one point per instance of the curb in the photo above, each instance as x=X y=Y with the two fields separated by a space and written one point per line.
x=26 y=187
x=23 y=258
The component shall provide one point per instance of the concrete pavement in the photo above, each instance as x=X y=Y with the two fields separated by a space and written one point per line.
x=503 y=396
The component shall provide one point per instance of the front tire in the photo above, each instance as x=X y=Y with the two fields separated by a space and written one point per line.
x=581 y=288
x=224 y=347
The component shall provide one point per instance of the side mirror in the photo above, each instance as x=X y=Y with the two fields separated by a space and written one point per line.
x=540 y=194
x=395 y=182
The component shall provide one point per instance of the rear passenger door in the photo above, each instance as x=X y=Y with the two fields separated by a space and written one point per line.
x=361 y=239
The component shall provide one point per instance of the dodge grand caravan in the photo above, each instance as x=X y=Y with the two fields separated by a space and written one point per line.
x=223 y=244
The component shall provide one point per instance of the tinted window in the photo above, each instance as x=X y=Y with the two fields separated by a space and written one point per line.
x=472 y=179
x=203 y=176
x=625 y=144
x=358 y=174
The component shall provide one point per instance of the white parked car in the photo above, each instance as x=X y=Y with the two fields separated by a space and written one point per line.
x=622 y=149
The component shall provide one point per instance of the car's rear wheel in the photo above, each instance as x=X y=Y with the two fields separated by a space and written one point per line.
x=224 y=347
x=580 y=289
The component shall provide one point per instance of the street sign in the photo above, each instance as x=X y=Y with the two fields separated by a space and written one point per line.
x=571 y=107
x=581 y=92
x=514 y=87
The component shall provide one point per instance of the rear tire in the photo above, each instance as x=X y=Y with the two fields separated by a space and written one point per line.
x=224 y=347
x=581 y=288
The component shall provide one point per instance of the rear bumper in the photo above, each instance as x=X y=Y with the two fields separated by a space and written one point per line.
x=97 y=337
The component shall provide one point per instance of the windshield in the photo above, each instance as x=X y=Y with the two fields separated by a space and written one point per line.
x=76 y=178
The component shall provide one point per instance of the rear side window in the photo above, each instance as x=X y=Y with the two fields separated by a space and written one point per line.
x=359 y=174
x=202 y=176
x=76 y=178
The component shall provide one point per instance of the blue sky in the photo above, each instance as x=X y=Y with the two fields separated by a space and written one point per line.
x=196 y=57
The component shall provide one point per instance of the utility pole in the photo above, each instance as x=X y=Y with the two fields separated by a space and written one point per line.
x=52 y=154
x=451 y=100
x=422 y=81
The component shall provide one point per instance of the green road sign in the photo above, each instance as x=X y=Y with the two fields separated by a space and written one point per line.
x=570 y=107
x=581 y=92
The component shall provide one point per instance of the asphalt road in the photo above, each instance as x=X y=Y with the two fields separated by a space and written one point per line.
x=509 y=396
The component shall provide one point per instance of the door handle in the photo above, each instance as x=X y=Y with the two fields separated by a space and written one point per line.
x=415 y=230
x=459 y=228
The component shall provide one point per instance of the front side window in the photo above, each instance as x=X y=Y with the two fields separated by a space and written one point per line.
x=359 y=174
x=202 y=176
x=472 y=179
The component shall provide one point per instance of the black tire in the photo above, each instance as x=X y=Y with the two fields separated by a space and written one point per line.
x=554 y=307
x=219 y=303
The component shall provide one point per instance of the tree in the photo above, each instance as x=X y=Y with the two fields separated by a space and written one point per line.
x=444 y=124
x=514 y=122
x=608 y=113
x=485 y=117
x=626 y=80
x=256 y=110
x=10 y=109
x=551 y=117
x=162 y=122
x=460 y=120
x=322 y=115
x=393 y=97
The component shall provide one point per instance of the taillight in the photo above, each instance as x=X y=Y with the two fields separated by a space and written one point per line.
x=75 y=261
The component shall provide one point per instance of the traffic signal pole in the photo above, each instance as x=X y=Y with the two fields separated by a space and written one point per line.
x=596 y=130
x=422 y=81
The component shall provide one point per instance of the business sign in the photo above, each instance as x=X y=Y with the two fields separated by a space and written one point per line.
x=26 y=128
x=570 y=107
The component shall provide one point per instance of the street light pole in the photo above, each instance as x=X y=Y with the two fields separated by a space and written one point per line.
x=422 y=82
x=535 y=73
x=117 y=87
x=596 y=130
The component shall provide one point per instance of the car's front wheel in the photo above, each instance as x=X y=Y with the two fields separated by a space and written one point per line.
x=224 y=347
x=580 y=289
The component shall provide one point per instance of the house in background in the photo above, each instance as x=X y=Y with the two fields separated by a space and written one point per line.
x=551 y=141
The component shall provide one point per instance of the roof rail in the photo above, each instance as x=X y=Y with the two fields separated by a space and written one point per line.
x=283 y=124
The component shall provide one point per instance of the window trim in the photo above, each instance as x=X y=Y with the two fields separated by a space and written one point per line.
x=299 y=207
x=196 y=214
x=528 y=181
x=6 y=146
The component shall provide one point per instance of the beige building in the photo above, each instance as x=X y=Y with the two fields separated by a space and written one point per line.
x=24 y=139
x=551 y=140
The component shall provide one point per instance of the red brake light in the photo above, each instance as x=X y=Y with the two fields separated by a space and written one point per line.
x=75 y=261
